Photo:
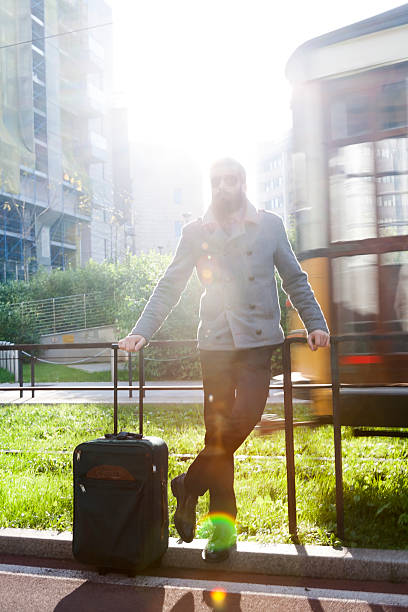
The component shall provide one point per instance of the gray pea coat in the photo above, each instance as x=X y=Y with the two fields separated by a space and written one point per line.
x=239 y=306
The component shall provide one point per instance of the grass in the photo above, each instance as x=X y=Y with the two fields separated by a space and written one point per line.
x=36 y=484
x=46 y=372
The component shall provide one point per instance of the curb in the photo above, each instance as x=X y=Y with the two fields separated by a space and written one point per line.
x=269 y=559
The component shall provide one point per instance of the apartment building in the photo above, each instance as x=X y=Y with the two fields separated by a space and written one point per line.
x=56 y=179
x=274 y=177
x=167 y=194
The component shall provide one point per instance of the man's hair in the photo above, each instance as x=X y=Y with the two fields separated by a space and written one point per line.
x=230 y=161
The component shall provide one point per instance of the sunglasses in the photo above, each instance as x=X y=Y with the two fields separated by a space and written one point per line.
x=229 y=179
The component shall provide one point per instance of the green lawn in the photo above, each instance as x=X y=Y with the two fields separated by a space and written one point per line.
x=36 y=484
x=47 y=372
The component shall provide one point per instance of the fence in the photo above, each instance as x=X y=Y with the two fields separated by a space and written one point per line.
x=60 y=314
x=287 y=387
x=9 y=359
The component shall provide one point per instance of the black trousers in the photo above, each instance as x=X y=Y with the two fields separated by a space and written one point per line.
x=235 y=392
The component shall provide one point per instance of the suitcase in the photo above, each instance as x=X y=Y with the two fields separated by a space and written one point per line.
x=120 y=502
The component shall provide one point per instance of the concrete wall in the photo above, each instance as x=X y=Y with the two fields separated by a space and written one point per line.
x=105 y=333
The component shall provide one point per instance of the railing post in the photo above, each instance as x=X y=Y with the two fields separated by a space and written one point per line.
x=85 y=310
x=112 y=367
x=115 y=388
x=338 y=463
x=130 y=373
x=32 y=360
x=141 y=389
x=15 y=366
x=290 y=452
x=20 y=372
x=53 y=315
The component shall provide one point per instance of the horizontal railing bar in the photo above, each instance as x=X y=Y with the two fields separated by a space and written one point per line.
x=73 y=345
x=184 y=387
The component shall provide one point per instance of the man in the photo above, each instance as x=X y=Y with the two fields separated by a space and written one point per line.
x=234 y=249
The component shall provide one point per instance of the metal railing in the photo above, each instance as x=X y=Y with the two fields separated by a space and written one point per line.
x=287 y=387
x=67 y=313
x=9 y=359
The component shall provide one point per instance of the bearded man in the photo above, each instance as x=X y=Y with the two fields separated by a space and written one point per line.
x=235 y=249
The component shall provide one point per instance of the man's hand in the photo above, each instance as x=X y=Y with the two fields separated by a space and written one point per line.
x=132 y=343
x=318 y=338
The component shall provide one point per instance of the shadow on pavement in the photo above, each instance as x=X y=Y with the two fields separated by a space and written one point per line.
x=96 y=597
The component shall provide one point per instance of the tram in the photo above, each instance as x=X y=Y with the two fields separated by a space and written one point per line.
x=350 y=163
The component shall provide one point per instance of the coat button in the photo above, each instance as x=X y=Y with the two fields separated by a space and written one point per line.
x=252 y=307
x=249 y=252
x=258 y=332
x=251 y=278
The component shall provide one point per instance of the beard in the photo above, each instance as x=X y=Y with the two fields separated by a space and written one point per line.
x=225 y=204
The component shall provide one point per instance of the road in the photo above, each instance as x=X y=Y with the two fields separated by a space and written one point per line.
x=38 y=585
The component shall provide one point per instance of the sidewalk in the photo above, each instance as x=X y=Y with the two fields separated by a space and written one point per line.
x=84 y=396
x=267 y=559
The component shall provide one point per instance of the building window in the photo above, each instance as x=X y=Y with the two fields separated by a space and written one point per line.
x=393 y=105
x=177 y=228
x=40 y=127
x=40 y=101
x=37 y=34
x=178 y=195
x=37 y=9
x=41 y=158
x=349 y=116
x=38 y=66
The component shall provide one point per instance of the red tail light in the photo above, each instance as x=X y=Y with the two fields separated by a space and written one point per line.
x=360 y=359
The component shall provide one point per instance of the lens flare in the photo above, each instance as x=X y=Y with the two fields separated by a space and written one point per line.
x=218 y=597
x=222 y=518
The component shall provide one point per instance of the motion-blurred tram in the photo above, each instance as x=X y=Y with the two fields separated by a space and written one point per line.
x=350 y=167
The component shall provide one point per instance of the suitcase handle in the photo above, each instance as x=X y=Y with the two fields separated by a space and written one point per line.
x=124 y=435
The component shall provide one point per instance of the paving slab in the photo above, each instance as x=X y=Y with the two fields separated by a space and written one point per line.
x=100 y=396
x=267 y=559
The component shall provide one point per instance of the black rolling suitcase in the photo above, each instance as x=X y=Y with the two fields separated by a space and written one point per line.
x=120 y=502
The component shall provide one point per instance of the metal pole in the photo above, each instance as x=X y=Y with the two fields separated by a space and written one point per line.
x=85 y=310
x=130 y=373
x=337 y=437
x=115 y=388
x=20 y=372
x=290 y=451
x=53 y=314
x=32 y=374
x=141 y=389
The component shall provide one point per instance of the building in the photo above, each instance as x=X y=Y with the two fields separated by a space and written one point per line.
x=56 y=180
x=123 y=235
x=167 y=194
x=274 y=177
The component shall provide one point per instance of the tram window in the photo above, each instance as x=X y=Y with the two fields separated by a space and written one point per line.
x=393 y=105
x=392 y=186
x=394 y=289
x=392 y=155
x=352 y=192
x=355 y=293
x=349 y=116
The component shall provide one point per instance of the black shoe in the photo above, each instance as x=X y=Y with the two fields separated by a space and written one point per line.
x=185 y=516
x=220 y=545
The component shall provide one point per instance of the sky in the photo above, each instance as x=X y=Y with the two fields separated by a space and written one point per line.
x=208 y=76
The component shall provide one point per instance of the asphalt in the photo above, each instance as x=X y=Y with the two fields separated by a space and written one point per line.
x=253 y=558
